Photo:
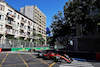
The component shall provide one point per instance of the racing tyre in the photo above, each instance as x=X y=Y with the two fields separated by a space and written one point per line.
x=55 y=59
x=68 y=62
x=48 y=57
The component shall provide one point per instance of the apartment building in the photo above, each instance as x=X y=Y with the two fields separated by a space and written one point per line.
x=38 y=16
x=13 y=23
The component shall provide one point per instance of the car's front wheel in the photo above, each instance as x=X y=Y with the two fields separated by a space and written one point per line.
x=55 y=59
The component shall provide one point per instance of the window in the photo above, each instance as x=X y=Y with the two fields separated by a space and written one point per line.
x=2 y=7
x=1 y=17
x=14 y=14
x=17 y=24
x=25 y=21
x=16 y=31
x=29 y=22
x=25 y=27
x=18 y=16
x=22 y=19
x=1 y=27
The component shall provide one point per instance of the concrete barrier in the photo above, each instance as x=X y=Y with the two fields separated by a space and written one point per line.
x=26 y=49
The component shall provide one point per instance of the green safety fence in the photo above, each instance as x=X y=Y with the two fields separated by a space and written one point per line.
x=26 y=49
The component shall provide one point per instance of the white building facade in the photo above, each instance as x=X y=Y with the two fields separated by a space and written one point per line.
x=13 y=23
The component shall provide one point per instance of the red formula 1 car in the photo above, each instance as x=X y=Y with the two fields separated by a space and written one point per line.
x=56 y=57
x=49 y=55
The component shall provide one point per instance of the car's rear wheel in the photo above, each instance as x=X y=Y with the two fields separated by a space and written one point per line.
x=48 y=57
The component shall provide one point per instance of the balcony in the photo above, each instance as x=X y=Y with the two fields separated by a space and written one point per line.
x=22 y=21
x=34 y=30
x=9 y=23
x=1 y=29
x=21 y=27
x=22 y=34
x=10 y=15
x=29 y=24
x=10 y=31
x=28 y=35
x=30 y=29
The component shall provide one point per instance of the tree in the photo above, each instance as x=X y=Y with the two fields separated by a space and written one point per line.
x=41 y=40
x=34 y=36
x=96 y=3
x=59 y=27
x=48 y=39
x=56 y=25
x=34 y=32
x=39 y=35
x=96 y=6
x=78 y=12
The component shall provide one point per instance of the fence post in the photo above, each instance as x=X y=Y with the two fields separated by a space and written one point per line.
x=35 y=44
x=75 y=44
x=29 y=44
x=25 y=43
x=13 y=43
x=5 y=43
x=20 y=43
x=32 y=44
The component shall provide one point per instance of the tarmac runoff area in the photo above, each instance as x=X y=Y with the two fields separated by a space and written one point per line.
x=29 y=59
x=77 y=64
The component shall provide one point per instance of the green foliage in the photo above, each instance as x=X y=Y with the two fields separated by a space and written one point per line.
x=96 y=3
x=26 y=40
x=39 y=35
x=59 y=27
x=21 y=38
x=10 y=37
x=78 y=12
x=34 y=34
x=40 y=40
x=47 y=32
x=48 y=39
x=35 y=40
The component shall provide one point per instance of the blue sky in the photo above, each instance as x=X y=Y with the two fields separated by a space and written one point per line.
x=48 y=7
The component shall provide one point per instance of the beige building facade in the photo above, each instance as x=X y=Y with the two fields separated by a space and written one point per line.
x=38 y=16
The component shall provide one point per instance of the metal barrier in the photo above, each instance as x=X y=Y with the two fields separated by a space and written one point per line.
x=80 y=43
x=9 y=43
